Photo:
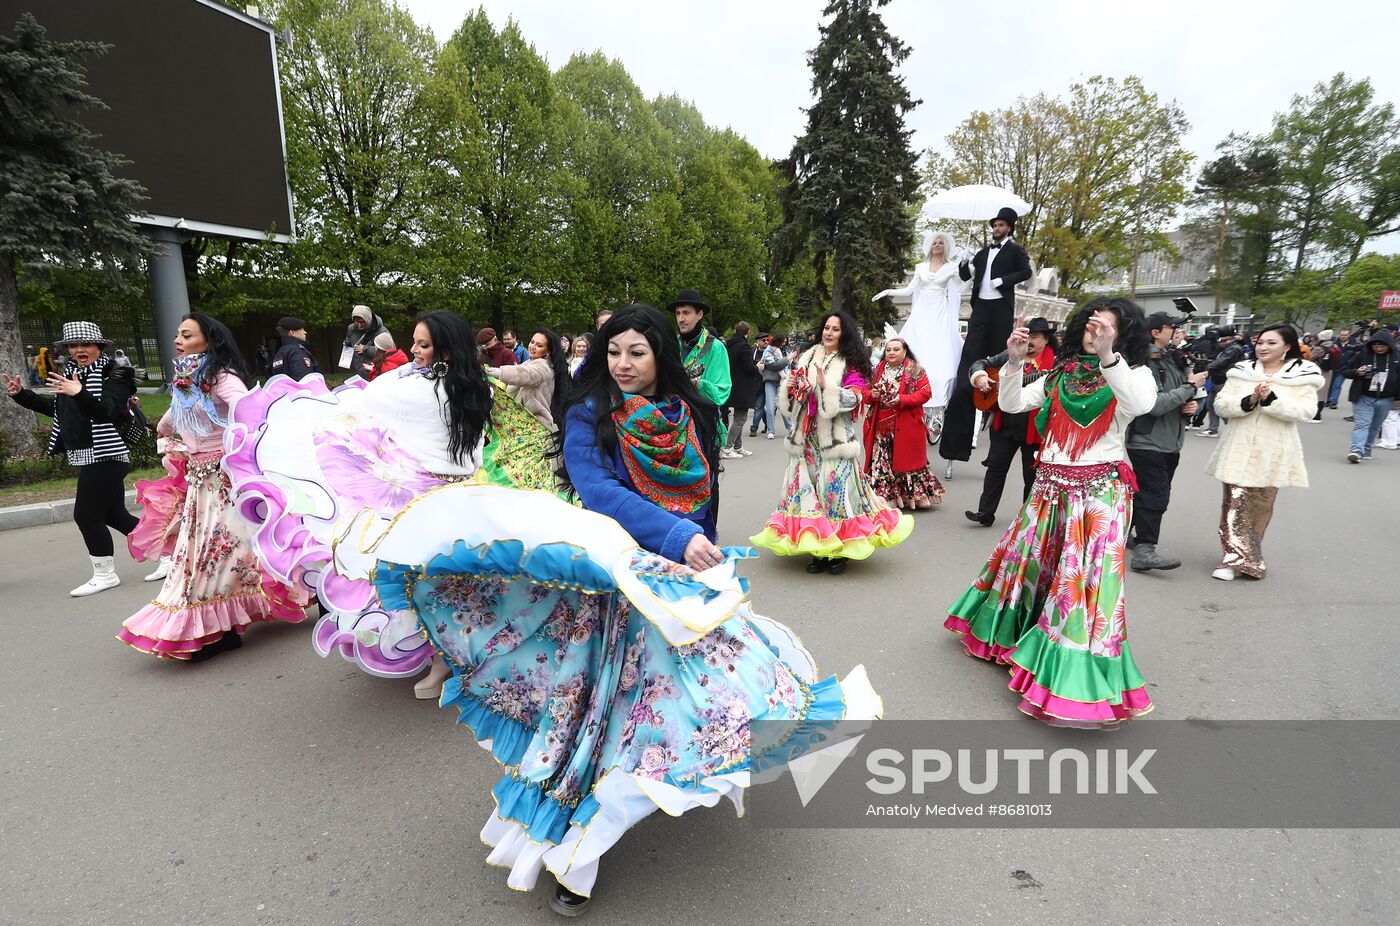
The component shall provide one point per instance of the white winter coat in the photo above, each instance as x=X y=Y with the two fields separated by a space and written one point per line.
x=1260 y=448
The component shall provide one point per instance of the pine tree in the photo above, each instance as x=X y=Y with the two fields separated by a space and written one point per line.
x=60 y=196
x=857 y=173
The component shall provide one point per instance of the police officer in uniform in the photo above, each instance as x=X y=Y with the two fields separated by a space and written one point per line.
x=293 y=356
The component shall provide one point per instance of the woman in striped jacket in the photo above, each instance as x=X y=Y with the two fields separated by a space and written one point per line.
x=88 y=406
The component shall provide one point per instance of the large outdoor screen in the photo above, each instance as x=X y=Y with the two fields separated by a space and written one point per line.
x=192 y=91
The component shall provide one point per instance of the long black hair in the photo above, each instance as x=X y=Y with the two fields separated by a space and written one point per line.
x=560 y=366
x=595 y=382
x=1134 y=338
x=220 y=352
x=851 y=348
x=460 y=378
x=1290 y=338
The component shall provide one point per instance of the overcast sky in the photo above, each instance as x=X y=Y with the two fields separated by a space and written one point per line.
x=1230 y=64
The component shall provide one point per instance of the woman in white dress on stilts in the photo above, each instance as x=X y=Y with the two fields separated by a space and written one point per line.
x=932 y=326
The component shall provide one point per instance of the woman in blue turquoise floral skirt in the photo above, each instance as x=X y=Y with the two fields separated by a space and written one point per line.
x=606 y=655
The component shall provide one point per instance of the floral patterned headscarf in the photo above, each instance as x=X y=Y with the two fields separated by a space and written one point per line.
x=191 y=392
x=661 y=451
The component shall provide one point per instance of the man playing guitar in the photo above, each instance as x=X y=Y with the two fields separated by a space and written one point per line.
x=1009 y=433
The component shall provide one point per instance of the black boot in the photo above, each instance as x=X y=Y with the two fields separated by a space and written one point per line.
x=1320 y=407
x=230 y=640
x=816 y=566
x=837 y=565
x=566 y=903
x=1145 y=557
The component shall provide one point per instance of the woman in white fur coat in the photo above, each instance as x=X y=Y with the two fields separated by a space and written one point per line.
x=1263 y=399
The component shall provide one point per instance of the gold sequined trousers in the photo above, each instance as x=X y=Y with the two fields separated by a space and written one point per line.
x=1245 y=513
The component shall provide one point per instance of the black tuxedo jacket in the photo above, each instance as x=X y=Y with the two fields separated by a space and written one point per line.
x=1011 y=263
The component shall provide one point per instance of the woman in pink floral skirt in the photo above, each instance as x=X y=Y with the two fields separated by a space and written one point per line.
x=215 y=587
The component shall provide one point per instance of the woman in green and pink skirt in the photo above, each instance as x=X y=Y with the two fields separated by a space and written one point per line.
x=1050 y=604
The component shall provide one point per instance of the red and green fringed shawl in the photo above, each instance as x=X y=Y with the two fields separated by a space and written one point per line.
x=1078 y=407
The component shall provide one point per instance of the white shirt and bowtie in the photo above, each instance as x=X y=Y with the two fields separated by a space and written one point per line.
x=991 y=288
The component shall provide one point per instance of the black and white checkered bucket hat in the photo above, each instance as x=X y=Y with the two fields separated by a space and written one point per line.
x=83 y=333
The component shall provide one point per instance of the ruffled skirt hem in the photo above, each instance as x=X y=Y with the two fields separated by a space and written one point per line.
x=975 y=646
x=1073 y=687
x=178 y=634
x=620 y=800
x=853 y=538
x=161 y=501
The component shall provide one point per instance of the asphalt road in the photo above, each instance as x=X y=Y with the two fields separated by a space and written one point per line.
x=271 y=786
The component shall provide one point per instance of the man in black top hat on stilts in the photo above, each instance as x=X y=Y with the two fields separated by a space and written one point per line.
x=994 y=272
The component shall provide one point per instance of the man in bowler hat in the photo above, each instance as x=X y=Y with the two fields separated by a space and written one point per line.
x=994 y=271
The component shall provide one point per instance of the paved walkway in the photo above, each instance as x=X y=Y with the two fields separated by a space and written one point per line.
x=271 y=786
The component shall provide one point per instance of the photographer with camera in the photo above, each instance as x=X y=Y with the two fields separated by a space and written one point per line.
x=1156 y=437
x=1225 y=351
x=1375 y=376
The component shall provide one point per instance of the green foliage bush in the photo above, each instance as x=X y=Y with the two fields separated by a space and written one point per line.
x=25 y=468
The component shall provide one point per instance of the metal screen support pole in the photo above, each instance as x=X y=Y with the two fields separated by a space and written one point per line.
x=166 y=270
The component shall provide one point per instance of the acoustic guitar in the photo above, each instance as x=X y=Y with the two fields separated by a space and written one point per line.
x=987 y=401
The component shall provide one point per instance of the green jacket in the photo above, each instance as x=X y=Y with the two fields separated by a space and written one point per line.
x=1163 y=429
x=708 y=365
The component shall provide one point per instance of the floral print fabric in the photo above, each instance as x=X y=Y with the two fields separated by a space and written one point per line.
x=1051 y=603
x=901 y=490
x=597 y=687
x=215 y=583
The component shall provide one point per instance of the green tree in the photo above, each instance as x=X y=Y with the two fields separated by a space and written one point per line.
x=1104 y=170
x=362 y=148
x=729 y=207
x=1357 y=293
x=499 y=213
x=61 y=197
x=1337 y=153
x=1238 y=195
x=1020 y=148
x=625 y=214
x=857 y=175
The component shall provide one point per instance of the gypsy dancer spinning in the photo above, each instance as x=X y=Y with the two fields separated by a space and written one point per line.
x=606 y=656
x=310 y=465
x=214 y=587
x=895 y=455
x=1050 y=602
x=828 y=508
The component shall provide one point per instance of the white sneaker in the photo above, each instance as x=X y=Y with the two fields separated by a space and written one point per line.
x=770 y=435
x=104 y=576
x=745 y=453
x=162 y=570
x=1224 y=573
x=727 y=454
x=1353 y=457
